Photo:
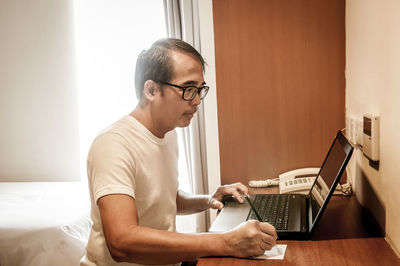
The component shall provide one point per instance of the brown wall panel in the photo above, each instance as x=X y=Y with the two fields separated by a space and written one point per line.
x=280 y=84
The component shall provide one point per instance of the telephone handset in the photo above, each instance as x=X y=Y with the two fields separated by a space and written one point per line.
x=297 y=181
x=300 y=181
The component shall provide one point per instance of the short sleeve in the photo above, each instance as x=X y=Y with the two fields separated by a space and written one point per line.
x=110 y=166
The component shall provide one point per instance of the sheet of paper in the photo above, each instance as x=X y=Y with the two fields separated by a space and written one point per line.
x=276 y=253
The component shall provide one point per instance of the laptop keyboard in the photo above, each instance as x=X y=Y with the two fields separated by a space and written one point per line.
x=270 y=207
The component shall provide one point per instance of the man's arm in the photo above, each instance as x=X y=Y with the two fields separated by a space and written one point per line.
x=188 y=203
x=129 y=242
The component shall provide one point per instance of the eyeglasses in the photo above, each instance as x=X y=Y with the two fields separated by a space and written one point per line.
x=190 y=92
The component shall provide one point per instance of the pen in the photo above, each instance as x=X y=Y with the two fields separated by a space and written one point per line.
x=252 y=207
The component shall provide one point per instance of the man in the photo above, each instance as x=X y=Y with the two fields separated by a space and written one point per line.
x=132 y=172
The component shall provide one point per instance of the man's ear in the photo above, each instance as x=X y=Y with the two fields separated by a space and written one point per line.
x=150 y=89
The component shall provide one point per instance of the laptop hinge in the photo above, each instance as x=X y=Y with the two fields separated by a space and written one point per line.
x=304 y=214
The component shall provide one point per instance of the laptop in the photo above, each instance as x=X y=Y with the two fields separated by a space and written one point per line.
x=297 y=215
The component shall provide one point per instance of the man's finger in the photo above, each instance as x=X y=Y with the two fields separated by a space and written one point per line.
x=242 y=188
x=266 y=246
x=216 y=204
x=235 y=193
x=269 y=229
x=268 y=239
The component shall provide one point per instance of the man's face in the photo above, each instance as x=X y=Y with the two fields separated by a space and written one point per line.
x=173 y=110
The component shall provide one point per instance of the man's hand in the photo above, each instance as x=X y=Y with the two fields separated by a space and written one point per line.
x=251 y=238
x=236 y=190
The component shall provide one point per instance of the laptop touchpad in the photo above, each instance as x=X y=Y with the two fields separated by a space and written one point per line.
x=234 y=213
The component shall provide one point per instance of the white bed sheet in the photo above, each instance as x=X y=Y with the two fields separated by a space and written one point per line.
x=43 y=223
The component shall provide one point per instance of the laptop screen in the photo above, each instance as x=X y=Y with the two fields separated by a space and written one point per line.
x=331 y=170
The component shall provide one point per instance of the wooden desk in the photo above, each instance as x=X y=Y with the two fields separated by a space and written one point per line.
x=344 y=236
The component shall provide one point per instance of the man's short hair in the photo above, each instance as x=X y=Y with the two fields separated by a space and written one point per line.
x=156 y=63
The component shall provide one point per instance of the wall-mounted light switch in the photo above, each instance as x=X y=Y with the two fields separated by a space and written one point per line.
x=371 y=136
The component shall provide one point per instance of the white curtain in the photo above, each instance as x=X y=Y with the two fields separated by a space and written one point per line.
x=182 y=20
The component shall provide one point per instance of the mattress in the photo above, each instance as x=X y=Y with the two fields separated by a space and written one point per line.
x=43 y=223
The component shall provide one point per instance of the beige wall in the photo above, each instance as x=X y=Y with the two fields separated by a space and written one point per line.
x=39 y=138
x=373 y=86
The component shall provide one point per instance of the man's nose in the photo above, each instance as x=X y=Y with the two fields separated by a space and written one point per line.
x=196 y=100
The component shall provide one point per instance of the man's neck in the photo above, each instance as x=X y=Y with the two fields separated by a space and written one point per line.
x=144 y=117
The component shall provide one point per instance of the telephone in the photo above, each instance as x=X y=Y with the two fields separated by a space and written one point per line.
x=299 y=181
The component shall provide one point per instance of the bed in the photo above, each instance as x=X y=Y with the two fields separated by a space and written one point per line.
x=43 y=223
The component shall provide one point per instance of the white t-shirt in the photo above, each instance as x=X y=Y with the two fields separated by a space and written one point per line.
x=126 y=158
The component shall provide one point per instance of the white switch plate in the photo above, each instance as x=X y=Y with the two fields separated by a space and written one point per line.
x=351 y=128
x=359 y=131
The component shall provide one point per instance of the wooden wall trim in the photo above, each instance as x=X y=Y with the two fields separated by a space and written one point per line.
x=280 y=84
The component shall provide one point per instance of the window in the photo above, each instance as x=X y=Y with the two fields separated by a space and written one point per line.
x=109 y=37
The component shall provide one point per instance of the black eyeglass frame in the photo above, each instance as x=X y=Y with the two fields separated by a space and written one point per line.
x=184 y=89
